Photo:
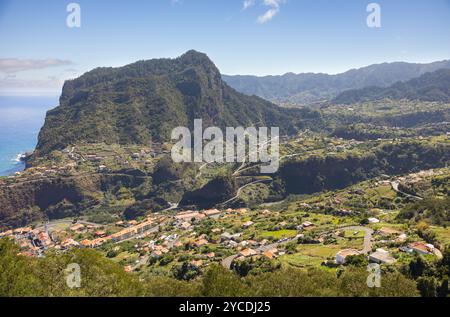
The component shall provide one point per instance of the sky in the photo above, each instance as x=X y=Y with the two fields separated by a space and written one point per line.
x=38 y=51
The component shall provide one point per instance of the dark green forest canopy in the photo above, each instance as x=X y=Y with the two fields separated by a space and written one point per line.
x=100 y=277
x=144 y=101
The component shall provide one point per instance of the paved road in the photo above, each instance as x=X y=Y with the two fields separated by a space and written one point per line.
x=226 y=263
x=239 y=191
x=173 y=206
x=367 y=247
x=395 y=187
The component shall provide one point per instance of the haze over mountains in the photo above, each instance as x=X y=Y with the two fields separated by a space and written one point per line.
x=433 y=86
x=308 y=88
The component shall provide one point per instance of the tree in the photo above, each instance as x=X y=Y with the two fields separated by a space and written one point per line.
x=427 y=285
x=220 y=282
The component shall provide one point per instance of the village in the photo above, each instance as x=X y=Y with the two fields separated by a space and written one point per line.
x=228 y=237
x=322 y=229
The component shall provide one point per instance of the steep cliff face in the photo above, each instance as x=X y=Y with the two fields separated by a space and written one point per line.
x=144 y=101
x=56 y=198
x=215 y=192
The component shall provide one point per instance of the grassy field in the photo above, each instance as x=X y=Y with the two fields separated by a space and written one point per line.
x=443 y=234
x=280 y=234
x=310 y=255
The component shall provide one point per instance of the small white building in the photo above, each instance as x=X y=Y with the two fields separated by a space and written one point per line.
x=381 y=256
x=343 y=254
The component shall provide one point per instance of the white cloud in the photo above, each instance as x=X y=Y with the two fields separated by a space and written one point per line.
x=268 y=15
x=248 y=3
x=15 y=65
x=273 y=10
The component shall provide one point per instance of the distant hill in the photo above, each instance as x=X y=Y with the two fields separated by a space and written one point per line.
x=144 y=101
x=310 y=88
x=433 y=86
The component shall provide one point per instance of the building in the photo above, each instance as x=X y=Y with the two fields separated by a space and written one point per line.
x=188 y=216
x=198 y=263
x=227 y=236
x=389 y=232
x=211 y=212
x=131 y=231
x=421 y=247
x=373 y=220
x=86 y=243
x=78 y=227
x=343 y=254
x=22 y=230
x=248 y=224
x=97 y=242
x=185 y=226
x=248 y=253
x=381 y=256
x=100 y=234
x=69 y=243
x=201 y=243
x=271 y=254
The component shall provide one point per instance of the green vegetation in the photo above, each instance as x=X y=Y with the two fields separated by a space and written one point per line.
x=22 y=276
x=305 y=89
x=434 y=210
x=141 y=103
x=428 y=87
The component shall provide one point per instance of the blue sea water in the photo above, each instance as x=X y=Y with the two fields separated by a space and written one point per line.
x=21 y=119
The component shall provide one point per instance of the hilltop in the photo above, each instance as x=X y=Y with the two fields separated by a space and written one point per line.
x=142 y=102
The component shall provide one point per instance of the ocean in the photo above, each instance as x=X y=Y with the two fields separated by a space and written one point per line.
x=21 y=119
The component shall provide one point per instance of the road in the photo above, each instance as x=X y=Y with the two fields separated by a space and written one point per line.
x=226 y=263
x=239 y=191
x=395 y=187
x=367 y=246
x=173 y=206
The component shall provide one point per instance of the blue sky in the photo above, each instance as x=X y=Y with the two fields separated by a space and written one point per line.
x=38 y=51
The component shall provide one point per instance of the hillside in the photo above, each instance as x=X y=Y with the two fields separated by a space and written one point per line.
x=144 y=101
x=433 y=86
x=309 y=88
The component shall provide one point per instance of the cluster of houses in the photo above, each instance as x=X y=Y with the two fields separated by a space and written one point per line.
x=382 y=256
x=32 y=242
x=186 y=219
x=134 y=230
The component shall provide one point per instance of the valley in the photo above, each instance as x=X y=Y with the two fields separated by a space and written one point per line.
x=359 y=182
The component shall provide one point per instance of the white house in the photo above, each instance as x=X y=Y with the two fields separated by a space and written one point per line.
x=343 y=254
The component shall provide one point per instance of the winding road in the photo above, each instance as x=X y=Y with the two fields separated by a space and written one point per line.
x=239 y=191
x=395 y=187
x=367 y=245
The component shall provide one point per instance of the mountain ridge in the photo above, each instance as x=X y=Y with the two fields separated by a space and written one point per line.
x=433 y=86
x=142 y=102
x=307 y=88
